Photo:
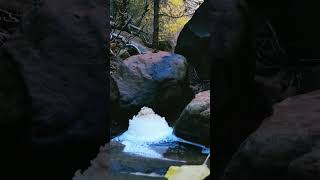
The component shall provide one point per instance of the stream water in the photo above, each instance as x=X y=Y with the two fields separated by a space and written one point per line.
x=149 y=136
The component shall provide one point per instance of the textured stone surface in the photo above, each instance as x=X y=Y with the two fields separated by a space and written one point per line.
x=194 y=122
x=286 y=146
x=156 y=80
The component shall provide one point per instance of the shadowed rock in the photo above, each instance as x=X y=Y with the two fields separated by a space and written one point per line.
x=286 y=146
x=193 y=42
x=60 y=51
x=194 y=122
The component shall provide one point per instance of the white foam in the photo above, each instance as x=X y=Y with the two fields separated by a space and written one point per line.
x=145 y=129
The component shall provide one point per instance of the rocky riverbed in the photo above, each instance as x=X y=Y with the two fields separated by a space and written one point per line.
x=146 y=150
x=113 y=162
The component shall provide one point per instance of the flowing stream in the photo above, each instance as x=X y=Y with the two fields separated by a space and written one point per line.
x=150 y=136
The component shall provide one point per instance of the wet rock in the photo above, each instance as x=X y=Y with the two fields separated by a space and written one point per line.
x=156 y=80
x=60 y=51
x=193 y=42
x=194 y=122
x=286 y=146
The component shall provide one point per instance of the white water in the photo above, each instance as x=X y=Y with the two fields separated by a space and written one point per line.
x=148 y=128
x=145 y=174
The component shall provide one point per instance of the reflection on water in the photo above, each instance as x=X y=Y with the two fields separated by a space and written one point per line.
x=170 y=148
x=149 y=135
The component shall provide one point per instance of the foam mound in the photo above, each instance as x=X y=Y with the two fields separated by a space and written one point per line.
x=147 y=127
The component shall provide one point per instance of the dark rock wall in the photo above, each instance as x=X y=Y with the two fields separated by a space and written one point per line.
x=54 y=76
x=243 y=92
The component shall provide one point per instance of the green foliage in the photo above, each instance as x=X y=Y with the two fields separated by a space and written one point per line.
x=173 y=16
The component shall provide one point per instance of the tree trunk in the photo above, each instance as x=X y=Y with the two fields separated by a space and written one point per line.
x=155 y=39
x=124 y=13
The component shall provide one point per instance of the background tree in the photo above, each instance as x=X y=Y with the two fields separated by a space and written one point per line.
x=160 y=20
x=156 y=10
x=124 y=13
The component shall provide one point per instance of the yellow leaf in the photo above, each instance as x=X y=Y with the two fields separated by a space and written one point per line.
x=188 y=172
x=171 y=171
x=176 y=2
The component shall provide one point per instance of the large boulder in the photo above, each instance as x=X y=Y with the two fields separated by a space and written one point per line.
x=193 y=42
x=286 y=146
x=60 y=51
x=156 y=80
x=194 y=122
